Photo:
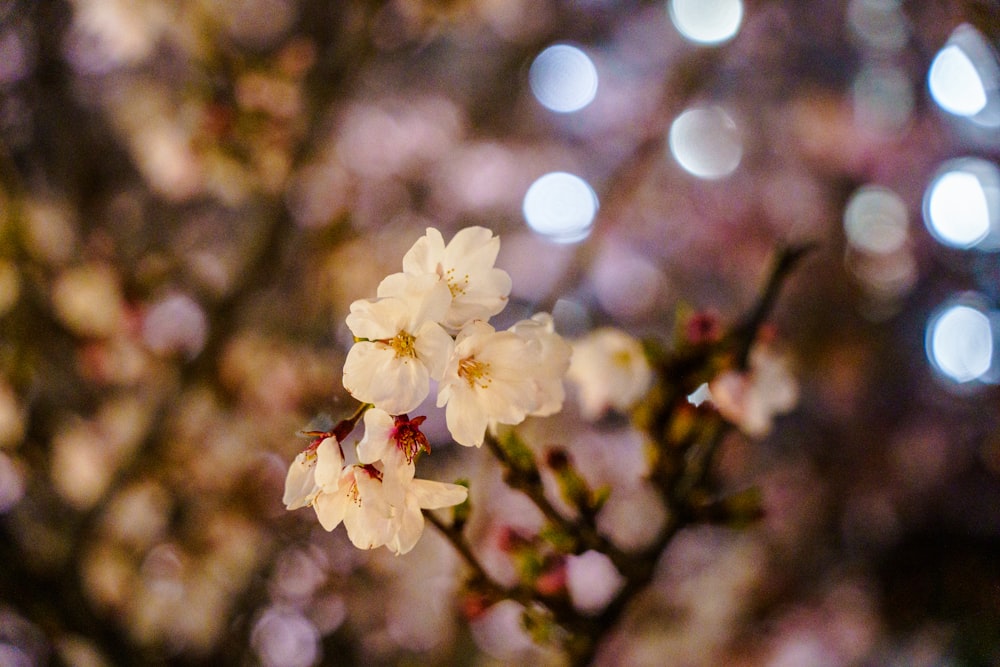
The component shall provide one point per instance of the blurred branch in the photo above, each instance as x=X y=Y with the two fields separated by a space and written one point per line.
x=680 y=471
x=745 y=332
x=526 y=478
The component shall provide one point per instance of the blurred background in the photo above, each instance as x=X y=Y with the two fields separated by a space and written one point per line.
x=192 y=193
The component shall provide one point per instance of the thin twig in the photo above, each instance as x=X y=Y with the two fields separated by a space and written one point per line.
x=483 y=579
x=588 y=539
x=460 y=544
x=745 y=332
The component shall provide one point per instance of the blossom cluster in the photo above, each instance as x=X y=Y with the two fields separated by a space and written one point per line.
x=429 y=322
x=379 y=504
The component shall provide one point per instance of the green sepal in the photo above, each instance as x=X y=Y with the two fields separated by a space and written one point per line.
x=519 y=455
x=560 y=540
x=737 y=510
x=599 y=496
x=538 y=622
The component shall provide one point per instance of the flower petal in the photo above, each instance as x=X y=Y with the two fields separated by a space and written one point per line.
x=434 y=348
x=329 y=464
x=465 y=417
x=473 y=247
x=300 y=483
x=409 y=527
x=369 y=520
x=431 y=495
x=426 y=254
x=377 y=441
x=424 y=295
x=374 y=374
x=331 y=507
x=371 y=494
x=377 y=319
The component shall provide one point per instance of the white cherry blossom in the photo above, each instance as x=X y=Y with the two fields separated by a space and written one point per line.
x=403 y=346
x=752 y=399
x=610 y=370
x=486 y=381
x=395 y=441
x=356 y=498
x=548 y=362
x=352 y=495
x=374 y=509
x=300 y=482
x=465 y=265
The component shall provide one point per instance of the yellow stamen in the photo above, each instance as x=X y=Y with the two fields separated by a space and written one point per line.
x=457 y=286
x=622 y=359
x=403 y=345
x=476 y=373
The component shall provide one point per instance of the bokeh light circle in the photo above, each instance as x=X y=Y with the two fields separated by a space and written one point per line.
x=955 y=84
x=563 y=78
x=959 y=342
x=964 y=77
x=878 y=23
x=706 y=142
x=561 y=207
x=875 y=220
x=962 y=204
x=283 y=637
x=706 y=21
x=883 y=98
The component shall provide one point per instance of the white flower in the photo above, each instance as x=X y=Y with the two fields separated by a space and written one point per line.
x=548 y=362
x=403 y=347
x=610 y=370
x=465 y=265
x=352 y=495
x=751 y=400
x=300 y=483
x=356 y=498
x=395 y=441
x=487 y=381
x=375 y=510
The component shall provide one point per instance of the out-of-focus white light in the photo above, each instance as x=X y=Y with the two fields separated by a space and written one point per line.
x=563 y=78
x=960 y=342
x=875 y=220
x=884 y=277
x=878 y=23
x=706 y=142
x=175 y=323
x=284 y=637
x=964 y=78
x=561 y=206
x=883 y=98
x=707 y=21
x=955 y=84
x=962 y=204
x=958 y=210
